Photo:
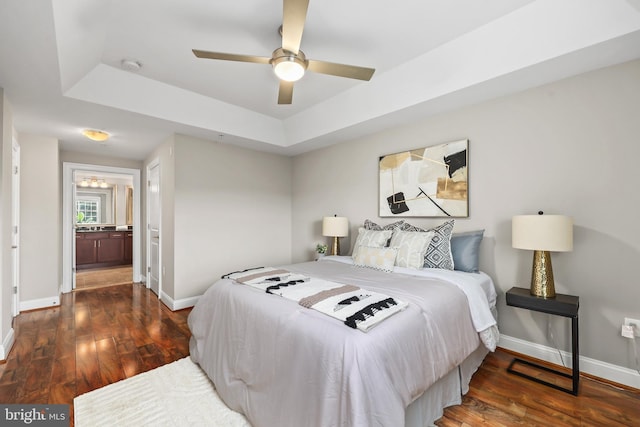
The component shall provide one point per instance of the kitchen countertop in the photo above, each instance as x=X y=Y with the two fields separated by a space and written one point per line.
x=104 y=229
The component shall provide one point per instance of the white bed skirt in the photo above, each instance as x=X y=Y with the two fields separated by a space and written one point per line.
x=447 y=391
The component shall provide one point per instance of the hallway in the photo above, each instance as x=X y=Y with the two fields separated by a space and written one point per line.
x=94 y=278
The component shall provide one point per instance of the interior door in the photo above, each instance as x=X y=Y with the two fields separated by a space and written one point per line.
x=74 y=241
x=154 y=259
x=15 y=229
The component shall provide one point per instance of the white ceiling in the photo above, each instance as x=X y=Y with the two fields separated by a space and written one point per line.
x=60 y=65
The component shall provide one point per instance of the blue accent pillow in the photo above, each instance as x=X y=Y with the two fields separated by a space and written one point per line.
x=465 y=248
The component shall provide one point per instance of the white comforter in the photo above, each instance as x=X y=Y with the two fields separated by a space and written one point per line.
x=283 y=365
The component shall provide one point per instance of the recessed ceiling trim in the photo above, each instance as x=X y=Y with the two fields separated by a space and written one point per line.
x=477 y=57
x=131 y=92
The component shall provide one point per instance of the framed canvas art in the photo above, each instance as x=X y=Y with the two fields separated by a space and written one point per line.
x=426 y=182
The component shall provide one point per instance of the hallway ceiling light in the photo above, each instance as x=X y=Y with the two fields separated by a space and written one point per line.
x=84 y=182
x=94 y=183
x=95 y=135
x=104 y=184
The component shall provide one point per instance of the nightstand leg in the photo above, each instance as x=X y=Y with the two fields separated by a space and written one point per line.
x=575 y=354
x=575 y=365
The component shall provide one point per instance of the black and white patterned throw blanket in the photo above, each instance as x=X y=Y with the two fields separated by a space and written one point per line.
x=355 y=307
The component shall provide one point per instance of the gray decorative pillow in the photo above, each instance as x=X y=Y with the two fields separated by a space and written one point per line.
x=439 y=252
x=371 y=238
x=465 y=248
x=412 y=247
x=370 y=225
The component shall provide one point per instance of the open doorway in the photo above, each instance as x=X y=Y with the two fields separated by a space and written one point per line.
x=101 y=226
x=103 y=210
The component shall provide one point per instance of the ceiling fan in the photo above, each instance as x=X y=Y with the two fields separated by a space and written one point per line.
x=289 y=62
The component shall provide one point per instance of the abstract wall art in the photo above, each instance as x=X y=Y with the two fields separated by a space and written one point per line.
x=426 y=182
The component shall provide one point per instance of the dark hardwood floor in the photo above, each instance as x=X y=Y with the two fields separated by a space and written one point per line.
x=94 y=338
x=498 y=398
x=100 y=336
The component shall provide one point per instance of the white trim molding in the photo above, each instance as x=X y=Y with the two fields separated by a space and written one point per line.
x=176 y=305
x=35 y=304
x=7 y=343
x=607 y=371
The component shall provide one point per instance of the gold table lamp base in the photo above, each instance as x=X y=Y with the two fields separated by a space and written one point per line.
x=335 y=247
x=542 y=284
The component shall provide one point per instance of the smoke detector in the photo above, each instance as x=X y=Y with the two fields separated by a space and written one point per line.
x=130 y=65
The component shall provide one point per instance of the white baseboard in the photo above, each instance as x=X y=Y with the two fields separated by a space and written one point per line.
x=604 y=370
x=175 y=305
x=40 y=303
x=7 y=343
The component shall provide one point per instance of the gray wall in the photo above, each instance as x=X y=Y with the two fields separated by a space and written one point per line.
x=93 y=159
x=223 y=208
x=40 y=218
x=570 y=148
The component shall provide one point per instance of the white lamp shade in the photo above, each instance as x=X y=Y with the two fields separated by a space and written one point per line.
x=542 y=232
x=335 y=226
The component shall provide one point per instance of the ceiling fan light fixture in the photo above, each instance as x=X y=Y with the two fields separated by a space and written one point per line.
x=95 y=135
x=290 y=71
x=288 y=66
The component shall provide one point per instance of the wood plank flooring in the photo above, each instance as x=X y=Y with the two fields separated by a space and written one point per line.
x=100 y=336
x=94 y=338
x=98 y=277
x=498 y=398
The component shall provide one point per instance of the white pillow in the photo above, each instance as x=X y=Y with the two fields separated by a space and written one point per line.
x=412 y=247
x=382 y=259
x=371 y=238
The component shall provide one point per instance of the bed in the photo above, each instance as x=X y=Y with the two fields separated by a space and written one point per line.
x=281 y=364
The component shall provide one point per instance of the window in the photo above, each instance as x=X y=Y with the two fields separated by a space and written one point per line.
x=88 y=210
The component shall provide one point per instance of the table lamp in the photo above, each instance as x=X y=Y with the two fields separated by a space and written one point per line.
x=336 y=227
x=542 y=234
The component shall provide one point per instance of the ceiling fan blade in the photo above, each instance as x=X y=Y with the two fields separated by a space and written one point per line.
x=285 y=93
x=341 y=70
x=294 y=14
x=230 y=56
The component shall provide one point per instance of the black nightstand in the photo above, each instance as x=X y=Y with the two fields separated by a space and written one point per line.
x=561 y=305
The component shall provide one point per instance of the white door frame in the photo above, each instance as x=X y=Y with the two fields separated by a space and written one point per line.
x=152 y=164
x=15 y=225
x=68 y=223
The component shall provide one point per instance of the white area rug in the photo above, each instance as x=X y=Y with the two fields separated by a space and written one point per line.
x=177 y=394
